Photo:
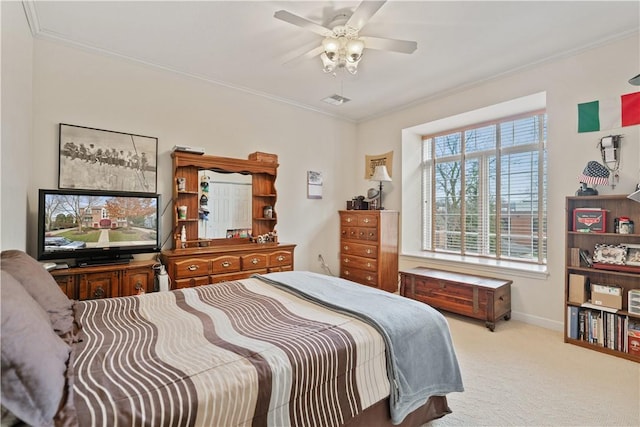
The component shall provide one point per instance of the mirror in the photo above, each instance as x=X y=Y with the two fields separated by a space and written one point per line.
x=225 y=205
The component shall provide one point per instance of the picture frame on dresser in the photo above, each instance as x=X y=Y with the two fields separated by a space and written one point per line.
x=97 y=159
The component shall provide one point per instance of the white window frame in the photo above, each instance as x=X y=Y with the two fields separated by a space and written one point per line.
x=500 y=153
x=411 y=208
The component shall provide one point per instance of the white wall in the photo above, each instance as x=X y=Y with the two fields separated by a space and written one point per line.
x=89 y=89
x=17 y=58
x=599 y=73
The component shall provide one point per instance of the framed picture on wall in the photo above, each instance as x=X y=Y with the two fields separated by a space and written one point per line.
x=95 y=159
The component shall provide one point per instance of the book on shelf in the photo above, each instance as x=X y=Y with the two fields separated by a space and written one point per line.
x=572 y=322
x=633 y=337
x=586 y=258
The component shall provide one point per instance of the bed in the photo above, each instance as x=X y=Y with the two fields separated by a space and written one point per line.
x=292 y=348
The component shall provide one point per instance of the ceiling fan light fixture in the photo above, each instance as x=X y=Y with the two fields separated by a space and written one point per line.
x=354 y=49
x=328 y=66
x=331 y=46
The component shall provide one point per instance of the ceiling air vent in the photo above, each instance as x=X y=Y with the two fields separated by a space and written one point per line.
x=336 y=99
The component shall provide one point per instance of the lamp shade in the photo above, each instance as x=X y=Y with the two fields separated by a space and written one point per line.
x=380 y=174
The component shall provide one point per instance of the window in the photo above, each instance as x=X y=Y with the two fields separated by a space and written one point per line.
x=484 y=189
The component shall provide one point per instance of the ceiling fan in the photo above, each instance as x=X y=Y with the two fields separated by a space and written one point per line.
x=342 y=46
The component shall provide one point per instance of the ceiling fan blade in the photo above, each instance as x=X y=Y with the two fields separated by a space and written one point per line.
x=402 y=46
x=363 y=13
x=307 y=55
x=302 y=22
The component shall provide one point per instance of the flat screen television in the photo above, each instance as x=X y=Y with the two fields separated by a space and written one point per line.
x=97 y=227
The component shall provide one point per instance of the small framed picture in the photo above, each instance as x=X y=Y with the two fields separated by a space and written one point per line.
x=633 y=254
x=610 y=254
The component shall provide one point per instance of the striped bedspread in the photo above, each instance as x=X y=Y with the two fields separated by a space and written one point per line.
x=236 y=353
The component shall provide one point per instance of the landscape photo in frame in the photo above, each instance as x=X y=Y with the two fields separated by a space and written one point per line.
x=95 y=159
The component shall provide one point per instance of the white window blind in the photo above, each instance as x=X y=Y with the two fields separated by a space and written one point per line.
x=484 y=189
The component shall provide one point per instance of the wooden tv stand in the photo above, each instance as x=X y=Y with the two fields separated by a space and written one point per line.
x=478 y=297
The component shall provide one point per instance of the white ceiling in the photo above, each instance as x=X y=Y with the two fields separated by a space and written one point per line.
x=240 y=44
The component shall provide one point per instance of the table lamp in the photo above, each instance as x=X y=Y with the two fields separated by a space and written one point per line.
x=381 y=175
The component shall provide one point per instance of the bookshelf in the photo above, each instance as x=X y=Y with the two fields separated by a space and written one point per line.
x=593 y=320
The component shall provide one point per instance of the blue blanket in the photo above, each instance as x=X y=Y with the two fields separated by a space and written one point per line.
x=421 y=361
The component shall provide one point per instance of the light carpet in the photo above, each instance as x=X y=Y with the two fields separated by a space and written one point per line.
x=524 y=375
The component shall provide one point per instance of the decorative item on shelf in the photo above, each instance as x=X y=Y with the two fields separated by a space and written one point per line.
x=268 y=211
x=595 y=174
x=182 y=183
x=183 y=237
x=381 y=175
x=633 y=255
x=590 y=220
x=610 y=254
x=623 y=225
x=182 y=212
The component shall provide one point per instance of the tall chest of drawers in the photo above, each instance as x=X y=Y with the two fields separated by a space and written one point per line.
x=369 y=248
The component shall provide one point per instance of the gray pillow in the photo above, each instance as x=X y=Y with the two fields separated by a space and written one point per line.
x=34 y=359
x=42 y=287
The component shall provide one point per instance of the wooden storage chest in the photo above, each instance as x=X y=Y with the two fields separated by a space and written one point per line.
x=483 y=298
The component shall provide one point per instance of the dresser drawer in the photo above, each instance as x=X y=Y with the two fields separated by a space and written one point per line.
x=235 y=276
x=360 y=219
x=359 y=249
x=190 y=282
x=280 y=258
x=190 y=267
x=350 y=261
x=254 y=261
x=368 y=278
x=225 y=264
x=98 y=285
x=361 y=233
x=67 y=285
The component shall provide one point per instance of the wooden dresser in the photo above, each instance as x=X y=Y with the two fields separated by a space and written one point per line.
x=369 y=248
x=82 y=283
x=196 y=267
x=484 y=298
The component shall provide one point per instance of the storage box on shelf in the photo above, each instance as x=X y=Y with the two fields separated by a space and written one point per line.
x=605 y=321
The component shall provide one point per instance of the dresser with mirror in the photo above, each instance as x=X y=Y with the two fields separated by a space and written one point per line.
x=224 y=219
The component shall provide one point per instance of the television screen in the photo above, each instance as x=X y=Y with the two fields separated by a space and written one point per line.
x=96 y=226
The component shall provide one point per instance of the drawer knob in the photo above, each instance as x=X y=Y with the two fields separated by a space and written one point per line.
x=254 y=261
x=226 y=264
x=368 y=264
x=192 y=267
x=348 y=219
x=346 y=247
x=369 y=278
x=346 y=260
x=346 y=272
x=280 y=258
x=99 y=292
x=366 y=220
x=369 y=251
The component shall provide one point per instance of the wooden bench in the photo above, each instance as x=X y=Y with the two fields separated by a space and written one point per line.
x=483 y=298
